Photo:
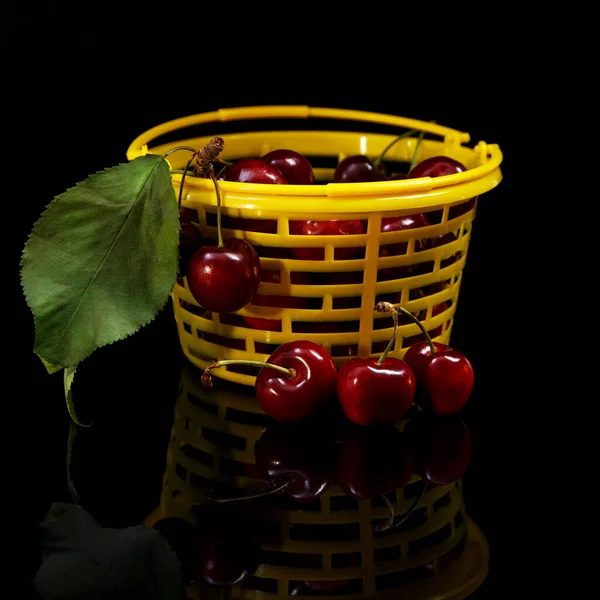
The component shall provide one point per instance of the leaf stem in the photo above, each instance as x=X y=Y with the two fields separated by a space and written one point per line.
x=207 y=379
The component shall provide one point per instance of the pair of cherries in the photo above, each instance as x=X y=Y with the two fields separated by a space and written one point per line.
x=223 y=548
x=300 y=378
x=365 y=462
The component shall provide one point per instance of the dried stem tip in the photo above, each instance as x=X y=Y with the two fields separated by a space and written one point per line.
x=207 y=156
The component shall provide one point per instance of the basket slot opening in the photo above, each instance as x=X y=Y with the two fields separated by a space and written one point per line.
x=325 y=587
x=345 y=560
x=415 y=547
x=344 y=350
x=222 y=438
x=445 y=560
x=247 y=418
x=260 y=584
x=337 y=278
x=232 y=319
x=187 y=327
x=346 y=302
x=323 y=532
x=232 y=468
x=325 y=326
x=442 y=502
x=203 y=405
x=213 y=338
x=181 y=471
x=195 y=310
x=264 y=348
x=197 y=455
x=343 y=503
x=242 y=223
x=389 y=554
x=416 y=519
x=291 y=559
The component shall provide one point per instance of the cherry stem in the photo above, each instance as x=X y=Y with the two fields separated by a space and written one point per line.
x=421 y=327
x=177 y=148
x=389 y=522
x=412 y=508
x=219 y=232
x=388 y=307
x=385 y=150
x=414 y=158
x=207 y=379
x=187 y=166
x=270 y=492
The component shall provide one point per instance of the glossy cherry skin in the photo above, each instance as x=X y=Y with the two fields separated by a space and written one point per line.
x=441 y=447
x=227 y=550
x=253 y=170
x=436 y=166
x=313 y=385
x=373 y=394
x=303 y=455
x=298 y=277
x=354 y=169
x=351 y=227
x=445 y=379
x=374 y=461
x=293 y=166
x=224 y=279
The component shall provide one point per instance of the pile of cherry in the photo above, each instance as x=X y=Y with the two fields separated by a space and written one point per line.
x=300 y=377
x=301 y=462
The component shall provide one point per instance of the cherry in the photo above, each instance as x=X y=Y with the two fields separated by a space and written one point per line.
x=360 y=168
x=293 y=166
x=253 y=170
x=303 y=455
x=227 y=549
x=436 y=166
x=441 y=447
x=355 y=168
x=298 y=277
x=400 y=224
x=224 y=278
x=350 y=227
x=377 y=391
x=305 y=380
x=374 y=461
x=445 y=376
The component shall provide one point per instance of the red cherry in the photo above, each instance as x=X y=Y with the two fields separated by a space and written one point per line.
x=292 y=165
x=227 y=550
x=224 y=279
x=304 y=455
x=253 y=170
x=376 y=394
x=374 y=461
x=400 y=224
x=436 y=166
x=441 y=447
x=354 y=169
x=187 y=215
x=445 y=378
x=352 y=227
x=312 y=385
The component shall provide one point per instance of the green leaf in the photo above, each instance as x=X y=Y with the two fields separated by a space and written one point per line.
x=50 y=368
x=83 y=560
x=102 y=259
x=69 y=375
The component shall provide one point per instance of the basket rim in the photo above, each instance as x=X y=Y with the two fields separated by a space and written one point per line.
x=487 y=174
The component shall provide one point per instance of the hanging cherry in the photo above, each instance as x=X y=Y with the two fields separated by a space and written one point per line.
x=222 y=278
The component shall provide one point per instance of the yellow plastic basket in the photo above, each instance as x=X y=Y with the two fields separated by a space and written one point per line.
x=341 y=293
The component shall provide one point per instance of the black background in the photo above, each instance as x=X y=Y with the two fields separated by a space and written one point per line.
x=88 y=91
